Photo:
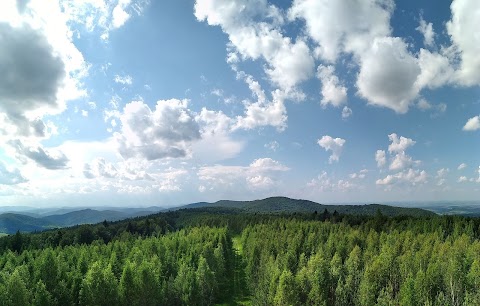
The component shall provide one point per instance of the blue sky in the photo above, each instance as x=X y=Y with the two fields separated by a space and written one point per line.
x=138 y=103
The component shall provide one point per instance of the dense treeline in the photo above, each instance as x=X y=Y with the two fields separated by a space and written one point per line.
x=187 y=258
x=188 y=267
x=291 y=262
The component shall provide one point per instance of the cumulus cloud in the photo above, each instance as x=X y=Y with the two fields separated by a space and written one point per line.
x=31 y=75
x=10 y=176
x=462 y=179
x=333 y=91
x=272 y=145
x=262 y=112
x=167 y=131
x=410 y=177
x=123 y=79
x=325 y=183
x=254 y=33
x=346 y=112
x=441 y=174
x=41 y=67
x=436 y=70
x=427 y=31
x=380 y=158
x=472 y=124
x=465 y=40
x=262 y=173
x=99 y=168
x=343 y=26
x=401 y=161
x=399 y=144
x=103 y=15
x=52 y=160
x=388 y=73
x=335 y=145
x=215 y=130
x=462 y=166
x=360 y=175
x=119 y=15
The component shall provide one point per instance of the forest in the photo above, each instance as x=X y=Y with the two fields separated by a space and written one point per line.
x=219 y=256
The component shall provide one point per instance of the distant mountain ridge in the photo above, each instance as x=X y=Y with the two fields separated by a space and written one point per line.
x=288 y=205
x=29 y=222
x=10 y=223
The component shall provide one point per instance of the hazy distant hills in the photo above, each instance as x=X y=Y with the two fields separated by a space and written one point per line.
x=10 y=223
x=287 y=205
x=41 y=219
x=26 y=221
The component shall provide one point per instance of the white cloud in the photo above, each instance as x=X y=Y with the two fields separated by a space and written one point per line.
x=100 y=168
x=441 y=174
x=346 y=112
x=335 y=145
x=424 y=105
x=333 y=91
x=123 y=79
x=48 y=159
x=436 y=70
x=267 y=164
x=472 y=124
x=41 y=66
x=165 y=132
x=462 y=179
x=10 y=175
x=262 y=173
x=343 y=26
x=380 y=158
x=360 y=175
x=410 y=176
x=272 y=145
x=401 y=161
x=387 y=75
x=217 y=92
x=215 y=129
x=462 y=166
x=84 y=113
x=92 y=105
x=119 y=15
x=324 y=183
x=171 y=179
x=399 y=144
x=465 y=39
x=102 y=15
x=263 y=112
x=427 y=31
x=252 y=28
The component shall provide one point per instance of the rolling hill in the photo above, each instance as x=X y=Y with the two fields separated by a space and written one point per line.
x=85 y=216
x=286 y=205
x=11 y=222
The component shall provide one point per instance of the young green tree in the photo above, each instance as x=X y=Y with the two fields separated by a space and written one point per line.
x=99 y=287
x=16 y=291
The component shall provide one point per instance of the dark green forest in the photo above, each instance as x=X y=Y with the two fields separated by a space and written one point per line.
x=209 y=256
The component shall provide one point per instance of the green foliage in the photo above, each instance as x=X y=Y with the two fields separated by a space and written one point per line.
x=181 y=268
x=187 y=257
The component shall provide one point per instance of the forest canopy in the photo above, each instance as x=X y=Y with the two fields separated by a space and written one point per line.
x=212 y=256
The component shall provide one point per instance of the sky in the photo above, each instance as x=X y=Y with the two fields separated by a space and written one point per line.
x=140 y=103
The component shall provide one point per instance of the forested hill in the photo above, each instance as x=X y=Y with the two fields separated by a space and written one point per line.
x=287 y=205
